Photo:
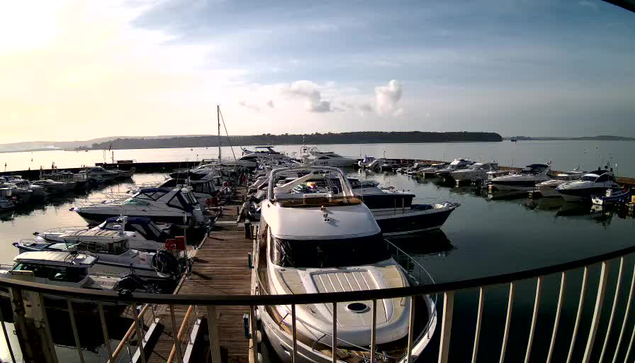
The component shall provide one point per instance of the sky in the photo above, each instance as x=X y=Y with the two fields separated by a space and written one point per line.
x=76 y=70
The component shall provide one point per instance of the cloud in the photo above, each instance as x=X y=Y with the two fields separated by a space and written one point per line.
x=387 y=98
x=270 y=104
x=308 y=91
x=588 y=4
x=249 y=106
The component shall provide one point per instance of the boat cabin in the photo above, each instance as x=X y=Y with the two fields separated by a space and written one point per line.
x=52 y=267
x=179 y=198
x=141 y=225
x=535 y=169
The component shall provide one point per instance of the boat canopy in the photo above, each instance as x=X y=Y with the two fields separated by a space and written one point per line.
x=57 y=258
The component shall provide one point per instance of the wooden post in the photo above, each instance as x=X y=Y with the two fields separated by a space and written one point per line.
x=28 y=317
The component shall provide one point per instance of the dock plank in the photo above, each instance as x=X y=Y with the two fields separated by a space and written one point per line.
x=221 y=266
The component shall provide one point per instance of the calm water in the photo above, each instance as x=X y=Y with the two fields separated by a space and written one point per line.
x=565 y=155
x=482 y=237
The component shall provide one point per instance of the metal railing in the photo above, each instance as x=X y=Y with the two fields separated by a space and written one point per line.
x=19 y=290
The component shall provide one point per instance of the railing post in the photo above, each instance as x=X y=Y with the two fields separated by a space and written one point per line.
x=104 y=328
x=29 y=326
x=508 y=318
x=578 y=317
x=6 y=337
x=479 y=316
x=618 y=285
x=446 y=326
x=373 y=332
x=71 y=314
x=294 y=333
x=254 y=332
x=626 y=313
x=175 y=335
x=534 y=318
x=556 y=322
x=334 y=335
x=140 y=335
x=212 y=330
x=411 y=323
x=596 y=312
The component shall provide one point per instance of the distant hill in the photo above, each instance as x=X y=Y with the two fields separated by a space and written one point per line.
x=599 y=137
x=367 y=137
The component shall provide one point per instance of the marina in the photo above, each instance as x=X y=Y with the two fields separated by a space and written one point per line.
x=221 y=262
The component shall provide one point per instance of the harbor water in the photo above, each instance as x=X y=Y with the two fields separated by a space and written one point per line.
x=564 y=155
x=482 y=237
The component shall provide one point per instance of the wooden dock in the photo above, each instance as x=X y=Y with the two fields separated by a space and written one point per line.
x=221 y=267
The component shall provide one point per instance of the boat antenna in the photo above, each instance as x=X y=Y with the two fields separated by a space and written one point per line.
x=218 y=120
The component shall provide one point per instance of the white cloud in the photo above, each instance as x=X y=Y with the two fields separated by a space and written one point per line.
x=270 y=104
x=310 y=93
x=249 y=106
x=387 y=98
x=588 y=4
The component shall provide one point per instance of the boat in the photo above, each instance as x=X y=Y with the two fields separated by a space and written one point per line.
x=431 y=171
x=524 y=180
x=13 y=192
x=391 y=165
x=203 y=189
x=377 y=198
x=72 y=269
x=309 y=240
x=415 y=219
x=365 y=162
x=99 y=175
x=169 y=205
x=141 y=232
x=52 y=187
x=548 y=187
x=456 y=164
x=24 y=185
x=251 y=158
x=474 y=172
x=112 y=250
x=593 y=183
x=612 y=196
x=314 y=156
x=6 y=204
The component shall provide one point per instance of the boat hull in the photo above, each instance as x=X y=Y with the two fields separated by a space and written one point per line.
x=97 y=218
x=525 y=185
x=417 y=219
x=581 y=195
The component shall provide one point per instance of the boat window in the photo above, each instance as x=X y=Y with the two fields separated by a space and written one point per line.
x=135 y=201
x=329 y=253
x=169 y=184
x=75 y=274
x=603 y=178
x=118 y=248
x=588 y=178
x=355 y=183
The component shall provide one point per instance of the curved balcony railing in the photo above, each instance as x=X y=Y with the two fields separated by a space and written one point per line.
x=448 y=289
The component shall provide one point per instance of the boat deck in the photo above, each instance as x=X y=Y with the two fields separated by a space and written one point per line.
x=221 y=266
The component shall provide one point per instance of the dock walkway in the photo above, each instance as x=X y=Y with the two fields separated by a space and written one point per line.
x=221 y=266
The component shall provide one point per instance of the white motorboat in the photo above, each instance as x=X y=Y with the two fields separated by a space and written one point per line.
x=52 y=187
x=431 y=171
x=141 y=232
x=25 y=185
x=308 y=240
x=326 y=158
x=170 y=205
x=251 y=158
x=474 y=172
x=548 y=188
x=365 y=162
x=15 y=193
x=456 y=164
x=524 y=180
x=203 y=189
x=593 y=183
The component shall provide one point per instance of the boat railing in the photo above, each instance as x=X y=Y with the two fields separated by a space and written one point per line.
x=587 y=340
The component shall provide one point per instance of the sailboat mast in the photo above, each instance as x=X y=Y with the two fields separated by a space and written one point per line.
x=218 y=120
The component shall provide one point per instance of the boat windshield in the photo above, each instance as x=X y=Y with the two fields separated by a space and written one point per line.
x=329 y=253
x=589 y=178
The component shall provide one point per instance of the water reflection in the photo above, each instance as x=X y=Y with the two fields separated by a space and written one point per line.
x=434 y=243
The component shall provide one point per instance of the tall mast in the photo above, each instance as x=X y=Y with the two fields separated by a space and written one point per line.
x=218 y=119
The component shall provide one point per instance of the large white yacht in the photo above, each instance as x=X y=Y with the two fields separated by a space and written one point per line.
x=324 y=239
x=314 y=156
x=524 y=180
x=593 y=183
x=474 y=172
x=171 y=205
x=548 y=188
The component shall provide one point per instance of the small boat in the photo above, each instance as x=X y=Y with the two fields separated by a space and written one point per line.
x=99 y=175
x=365 y=162
x=203 y=189
x=6 y=204
x=593 y=183
x=52 y=187
x=613 y=195
x=377 y=198
x=524 y=181
x=431 y=171
x=415 y=219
